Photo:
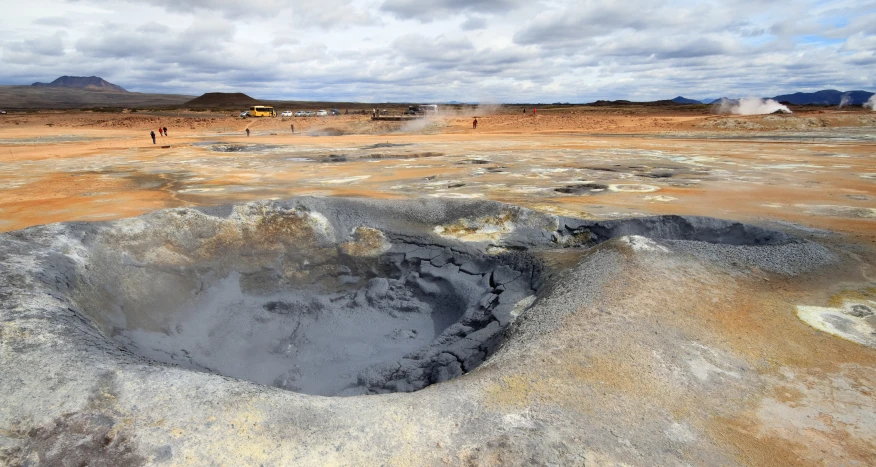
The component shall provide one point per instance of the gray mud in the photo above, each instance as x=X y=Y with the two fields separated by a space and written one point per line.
x=583 y=189
x=226 y=147
x=325 y=296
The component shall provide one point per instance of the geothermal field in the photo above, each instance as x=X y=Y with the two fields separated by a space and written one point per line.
x=587 y=285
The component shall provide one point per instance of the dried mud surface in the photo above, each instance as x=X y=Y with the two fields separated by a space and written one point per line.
x=639 y=351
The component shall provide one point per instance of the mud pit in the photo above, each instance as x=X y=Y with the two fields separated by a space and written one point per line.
x=282 y=295
x=327 y=296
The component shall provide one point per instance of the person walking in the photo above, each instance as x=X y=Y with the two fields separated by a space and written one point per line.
x=152 y=134
x=160 y=133
x=247 y=132
x=534 y=111
x=474 y=124
x=524 y=111
x=292 y=127
x=165 y=131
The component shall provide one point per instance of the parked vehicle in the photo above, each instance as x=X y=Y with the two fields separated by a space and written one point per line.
x=301 y=113
x=287 y=113
x=334 y=112
x=2 y=112
x=244 y=114
x=321 y=113
x=262 y=111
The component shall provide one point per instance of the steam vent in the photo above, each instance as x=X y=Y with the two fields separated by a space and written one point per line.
x=191 y=336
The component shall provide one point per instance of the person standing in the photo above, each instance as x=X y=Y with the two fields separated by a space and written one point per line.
x=524 y=111
x=474 y=124
x=292 y=127
x=152 y=134
x=534 y=111
x=160 y=132
x=247 y=132
x=165 y=131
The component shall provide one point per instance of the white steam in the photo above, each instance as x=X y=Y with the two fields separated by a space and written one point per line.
x=846 y=100
x=417 y=125
x=871 y=103
x=446 y=113
x=751 y=106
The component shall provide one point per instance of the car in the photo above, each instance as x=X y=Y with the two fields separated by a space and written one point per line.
x=244 y=114
x=287 y=113
x=2 y=112
x=334 y=112
x=321 y=113
x=301 y=113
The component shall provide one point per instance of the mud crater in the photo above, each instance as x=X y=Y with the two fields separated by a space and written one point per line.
x=324 y=296
x=286 y=297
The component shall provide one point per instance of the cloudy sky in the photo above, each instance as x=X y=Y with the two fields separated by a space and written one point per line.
x=439 y=50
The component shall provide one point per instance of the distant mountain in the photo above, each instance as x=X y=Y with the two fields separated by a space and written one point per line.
x=825 y=97
x=57 y=97
x=685 y=100
x=626 y=103
x=93 y=83
x=220 y=100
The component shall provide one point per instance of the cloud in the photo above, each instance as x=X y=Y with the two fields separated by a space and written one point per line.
x=281 y=41
x=152 y=28
x=440 y=50
x=46 y=45
x=503 y=50
x=473 y=23
x=331 y=14
x=325 y=14
x=34 y=49
x=54 y=21
x=228 y=8
x=860 y=42
x=579 y=23
x=430 y=11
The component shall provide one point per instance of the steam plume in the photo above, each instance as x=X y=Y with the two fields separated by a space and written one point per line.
x=846 y=100
x=751 y=106
x=871 y=103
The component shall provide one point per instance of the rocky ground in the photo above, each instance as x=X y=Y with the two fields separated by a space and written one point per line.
x=643 y=346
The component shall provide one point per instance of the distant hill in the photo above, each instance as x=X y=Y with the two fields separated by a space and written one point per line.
x=56 y=97
x=825 y=97
x=220 y=100
x=685 y=100
x=93 y=83
x=623 y=103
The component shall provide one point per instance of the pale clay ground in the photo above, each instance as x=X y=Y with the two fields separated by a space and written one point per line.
x=763 y=386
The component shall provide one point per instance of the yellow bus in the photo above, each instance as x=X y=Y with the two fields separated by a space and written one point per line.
x=262 y=111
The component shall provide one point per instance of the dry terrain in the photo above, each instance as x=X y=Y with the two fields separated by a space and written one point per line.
x=714 y=361
x=814 y=168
